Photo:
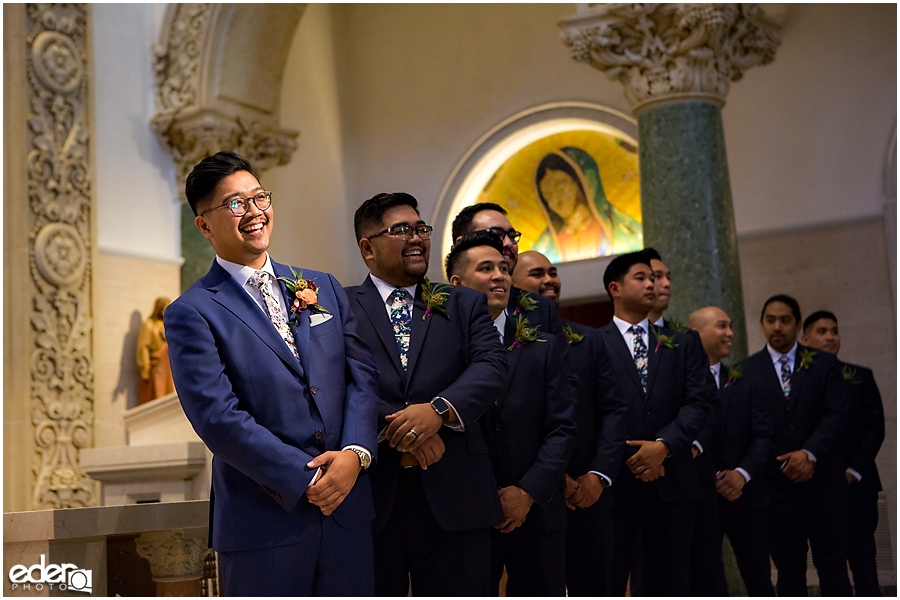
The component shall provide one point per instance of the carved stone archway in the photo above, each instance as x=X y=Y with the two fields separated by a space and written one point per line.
x=218 y=71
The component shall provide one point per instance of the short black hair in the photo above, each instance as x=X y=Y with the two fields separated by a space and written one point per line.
x=652 y=254
x=819 y=314
x=372 y=210
x=462 y=224
x=620 y=265
x=784 y=299
x=470 y=240
x=209 y=172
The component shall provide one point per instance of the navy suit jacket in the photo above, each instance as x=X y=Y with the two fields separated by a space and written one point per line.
x=458 y=357
x=674 y=408
x=530 y=429
x=866 y=424
x=743 y=436
x=600 y=411
x=813 y=417
x=262 y=413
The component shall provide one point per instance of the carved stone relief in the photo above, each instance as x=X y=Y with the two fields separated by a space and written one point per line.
x=194 y=119
x=664 y=52
x=59 y=196
x=174 y=555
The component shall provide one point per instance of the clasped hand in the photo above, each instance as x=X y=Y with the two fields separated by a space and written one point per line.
x=584 y=491
x=797 y=466
x=420 y=418
x=730 y=484
x=647 y=462
x=340 y=469
x=516 y=503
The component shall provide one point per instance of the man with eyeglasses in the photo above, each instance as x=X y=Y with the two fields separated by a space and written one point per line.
x=441 y=365
x=487 y=216
x=283 y=391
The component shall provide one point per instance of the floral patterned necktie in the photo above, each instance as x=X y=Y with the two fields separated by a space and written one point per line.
x=263 y=282
x=640 y=354
x=400 y=318
x=785 y=375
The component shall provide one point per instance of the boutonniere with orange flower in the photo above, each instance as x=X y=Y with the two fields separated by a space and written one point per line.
x=524 y=333
x=806 y=359
x=434 y=296
x=849 y=374
x=662 y=339
x=571 y=336
x=734 y=375
x=304 y=293
x=525 y=303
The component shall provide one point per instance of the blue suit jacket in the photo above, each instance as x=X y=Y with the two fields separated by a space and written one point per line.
x=262 y=413
x=458 y=357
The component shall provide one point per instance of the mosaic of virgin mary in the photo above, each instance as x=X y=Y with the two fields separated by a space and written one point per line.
x=582 y=223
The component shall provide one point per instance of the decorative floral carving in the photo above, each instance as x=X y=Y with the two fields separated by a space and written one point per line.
x=59 y=194
x=667 y=51
x=173 y=555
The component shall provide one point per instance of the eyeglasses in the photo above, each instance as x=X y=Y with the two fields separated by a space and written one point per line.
x=240 y=206
x=405 y=232
x=513 y=235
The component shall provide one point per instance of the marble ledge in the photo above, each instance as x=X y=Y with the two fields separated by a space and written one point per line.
x=116 y=464
x=102 y=521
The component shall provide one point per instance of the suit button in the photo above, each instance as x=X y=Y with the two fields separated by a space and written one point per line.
x=313 y=390
x=320 y=434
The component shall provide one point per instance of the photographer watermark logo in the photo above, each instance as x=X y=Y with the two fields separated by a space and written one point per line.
x=60 y=577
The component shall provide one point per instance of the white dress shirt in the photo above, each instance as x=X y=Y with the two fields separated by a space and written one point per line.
x=500 y=324
x=623 y=327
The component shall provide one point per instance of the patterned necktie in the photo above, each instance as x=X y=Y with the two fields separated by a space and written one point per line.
x=715 y=376
x=263 y=282
x=785 y=375
x=640 y=354
x=400 y=318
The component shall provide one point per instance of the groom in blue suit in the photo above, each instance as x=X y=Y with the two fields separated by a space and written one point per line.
x=283 y=392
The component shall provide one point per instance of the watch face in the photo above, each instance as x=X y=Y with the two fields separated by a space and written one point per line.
x=440 y=405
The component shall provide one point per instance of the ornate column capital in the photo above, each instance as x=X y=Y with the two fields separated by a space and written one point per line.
x=670 y=52
x=174 y=555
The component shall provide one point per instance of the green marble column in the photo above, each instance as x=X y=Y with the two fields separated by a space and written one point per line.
x=197 y=252
x=687 y=210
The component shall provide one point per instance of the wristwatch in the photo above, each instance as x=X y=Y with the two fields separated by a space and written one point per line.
x=364 y=459
x=441 y=407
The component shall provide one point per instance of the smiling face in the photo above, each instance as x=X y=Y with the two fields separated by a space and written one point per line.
x=486 y=219
x=823 y=335
x=485 y=270
x=536 y=274
x=397 y=261
x=780 y=326
x=242 y=240
x=715 y=332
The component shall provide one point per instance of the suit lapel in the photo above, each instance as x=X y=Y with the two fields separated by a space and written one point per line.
x=368 y=297
x=797 y=378
x=301 y=330
x=509 y=338
x=619 y=349
x=418 y=327
x=652 y=359
x=233 y=297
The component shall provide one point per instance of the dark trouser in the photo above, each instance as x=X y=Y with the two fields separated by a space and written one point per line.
x=665 y=531
x=862 y=507
x=590 y=537
x=534 y=561
x=707 y=570
x=748 y=531
x=413 y=550
x=821 y=521
x=328 y=561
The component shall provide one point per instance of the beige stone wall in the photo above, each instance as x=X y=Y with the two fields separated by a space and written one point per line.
x=844 y=269
x=125 y=289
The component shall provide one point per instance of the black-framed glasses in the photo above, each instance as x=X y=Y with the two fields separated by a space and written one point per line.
x=405 y=231
x=513 y=235
x=240 y=206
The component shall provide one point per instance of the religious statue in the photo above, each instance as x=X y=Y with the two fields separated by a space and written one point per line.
x=153 y=356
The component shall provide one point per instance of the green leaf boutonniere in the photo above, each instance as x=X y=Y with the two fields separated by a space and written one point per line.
x=849 y=374
x=806 y=358
x=677 y=326
x=571 y=336
x=434 y=296
x=662 y=339
x=734 y=375
x=525 y=302
x=304 y=292
x=524 y=333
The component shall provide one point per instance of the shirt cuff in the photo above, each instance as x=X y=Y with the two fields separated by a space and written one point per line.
x=315 y=478
x=855 y=474
x=668 y=450
x=811 y=456
x=744 y=473
x=461 y=426
x=360 y=448
x=603 y=477
x=698 y=446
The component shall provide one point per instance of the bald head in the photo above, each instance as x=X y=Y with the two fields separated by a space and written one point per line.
x=536 y=274
x=716 y=335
